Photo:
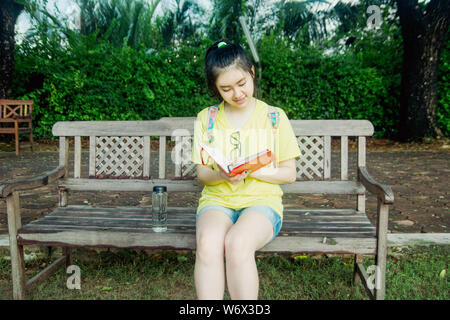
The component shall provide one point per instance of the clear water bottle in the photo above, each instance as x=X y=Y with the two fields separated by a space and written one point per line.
x=159 y=208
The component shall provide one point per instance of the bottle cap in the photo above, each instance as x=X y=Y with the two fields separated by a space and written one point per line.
x=159 y=189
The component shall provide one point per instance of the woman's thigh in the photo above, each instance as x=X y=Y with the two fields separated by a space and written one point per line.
x=212 y=226
x=252 y=231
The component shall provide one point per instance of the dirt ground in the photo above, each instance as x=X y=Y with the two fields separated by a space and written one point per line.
x=419 y=174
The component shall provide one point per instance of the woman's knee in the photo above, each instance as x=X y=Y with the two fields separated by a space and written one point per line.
x=210 y=236
x=237 y=248
x=210 y=246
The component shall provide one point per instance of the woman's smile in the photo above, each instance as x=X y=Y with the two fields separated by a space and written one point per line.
x=241 y=100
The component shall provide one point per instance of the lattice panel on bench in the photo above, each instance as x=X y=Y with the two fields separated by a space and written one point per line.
x=119 y=157
x=311 y=162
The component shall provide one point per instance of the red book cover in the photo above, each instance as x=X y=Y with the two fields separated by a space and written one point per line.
x=232 y=168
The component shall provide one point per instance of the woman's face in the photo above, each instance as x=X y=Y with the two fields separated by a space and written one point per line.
x=236 y=86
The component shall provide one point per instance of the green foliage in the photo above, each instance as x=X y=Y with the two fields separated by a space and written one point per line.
x=310 y=85
x=126 y=67
x=96 y=81
x=443 y=108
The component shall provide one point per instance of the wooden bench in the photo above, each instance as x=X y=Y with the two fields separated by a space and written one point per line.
x=16 y=112
x=120 y=160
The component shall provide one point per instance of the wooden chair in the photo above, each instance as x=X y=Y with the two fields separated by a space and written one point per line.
x=15 y=112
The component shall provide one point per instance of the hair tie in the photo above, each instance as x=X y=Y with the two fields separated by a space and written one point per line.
x=222 y=44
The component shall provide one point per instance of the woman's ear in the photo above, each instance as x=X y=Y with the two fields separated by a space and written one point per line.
x=253 y=71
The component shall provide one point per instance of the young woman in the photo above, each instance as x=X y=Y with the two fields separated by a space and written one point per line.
x=237 y=215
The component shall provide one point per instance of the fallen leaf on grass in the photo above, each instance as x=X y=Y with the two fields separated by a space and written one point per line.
x=442 y=274
x=107 y=288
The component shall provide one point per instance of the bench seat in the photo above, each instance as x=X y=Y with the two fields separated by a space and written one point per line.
x=346 y=231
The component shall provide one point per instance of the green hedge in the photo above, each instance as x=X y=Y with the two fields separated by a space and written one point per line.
x=309 y=85
x=443 y=108
x=101 y=82
x=88 y=80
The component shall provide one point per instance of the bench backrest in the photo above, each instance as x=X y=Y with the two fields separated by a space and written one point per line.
x=10 y=109
x=120 y=151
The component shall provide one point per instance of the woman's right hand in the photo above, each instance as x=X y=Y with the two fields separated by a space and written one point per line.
x=233 y=180
x=207 y=176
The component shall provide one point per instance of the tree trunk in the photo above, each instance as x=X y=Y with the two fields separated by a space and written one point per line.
x=9 y=11
x=424 y=29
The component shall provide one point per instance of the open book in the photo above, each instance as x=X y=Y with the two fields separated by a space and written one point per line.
x=232 y=168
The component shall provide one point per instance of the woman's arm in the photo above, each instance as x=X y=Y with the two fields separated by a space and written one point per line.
x=286 y=173
x=209 y=177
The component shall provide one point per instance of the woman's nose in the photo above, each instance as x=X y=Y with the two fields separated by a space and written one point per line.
x=237 y=92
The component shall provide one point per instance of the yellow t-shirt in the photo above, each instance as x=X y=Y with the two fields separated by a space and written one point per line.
x=255 y=136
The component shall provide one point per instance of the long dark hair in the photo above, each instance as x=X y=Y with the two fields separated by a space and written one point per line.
x=221 y=57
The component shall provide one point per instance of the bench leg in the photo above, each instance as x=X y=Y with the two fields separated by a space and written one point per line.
x=356 y=276
x=382 y=226
x=68 y=254
x=16 y=251
x=16 y=136
x=31 y=135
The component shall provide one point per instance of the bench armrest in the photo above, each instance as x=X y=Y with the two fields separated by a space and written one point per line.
x=383 y=192
x=9 y=187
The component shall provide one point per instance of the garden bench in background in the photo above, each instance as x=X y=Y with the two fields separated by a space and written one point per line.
x=15 y=112
x=120 y=160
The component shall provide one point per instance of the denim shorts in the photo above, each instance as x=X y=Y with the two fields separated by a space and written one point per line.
x=234 y=214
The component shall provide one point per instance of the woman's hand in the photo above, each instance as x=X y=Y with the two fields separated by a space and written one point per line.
x=207 y=176
x=233 y=180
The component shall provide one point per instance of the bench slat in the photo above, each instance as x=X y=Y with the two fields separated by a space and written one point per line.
x=320 y=227
x=186 y=241
x=46 y=230
x=137 y=185
x=170 y=127
x=174 y=228
x=192 y=210
x=189 y=211
x=191 y=218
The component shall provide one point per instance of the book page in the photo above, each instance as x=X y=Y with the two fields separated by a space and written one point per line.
x=217 y=156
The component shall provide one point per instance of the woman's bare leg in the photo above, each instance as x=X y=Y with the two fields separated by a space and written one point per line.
x=251 y=232
x=209 y=273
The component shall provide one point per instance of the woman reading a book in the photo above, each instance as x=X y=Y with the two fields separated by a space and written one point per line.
x=237 y=213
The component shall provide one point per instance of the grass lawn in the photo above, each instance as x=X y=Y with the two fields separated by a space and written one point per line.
x=128 y=274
